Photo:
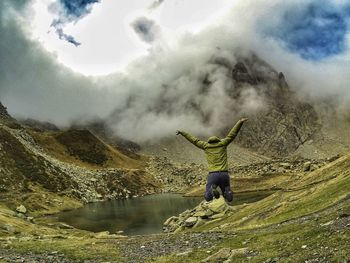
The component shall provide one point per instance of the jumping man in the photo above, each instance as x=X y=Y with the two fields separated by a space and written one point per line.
x=216 y=153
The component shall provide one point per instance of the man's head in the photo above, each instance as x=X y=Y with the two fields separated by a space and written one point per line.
x=213 y=139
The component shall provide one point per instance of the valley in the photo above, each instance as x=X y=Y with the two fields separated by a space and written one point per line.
x=290 y=154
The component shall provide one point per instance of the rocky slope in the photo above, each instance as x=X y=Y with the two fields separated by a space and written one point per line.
x=48 y=170
x=78 y=166
x=306 y=221
x=285 y=124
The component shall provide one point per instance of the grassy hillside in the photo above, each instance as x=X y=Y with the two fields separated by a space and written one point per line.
x=316 y=191
x=71 y=167
x=308 y=221
x=85 y=149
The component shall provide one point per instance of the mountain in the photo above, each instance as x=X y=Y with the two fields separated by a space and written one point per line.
x=293 y=153
x=284 y=123
x=37 y=166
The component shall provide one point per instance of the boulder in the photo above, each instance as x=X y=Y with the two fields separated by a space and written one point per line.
x=285 y=165
x=104 y=234
x=217 y=205
x=199 y=223
x=9 y=228
x=21 y=209
x=307 y=166
x=191 y=221
x=203 y=213
x=220 y=256
x=170 y=220
x=216 y=216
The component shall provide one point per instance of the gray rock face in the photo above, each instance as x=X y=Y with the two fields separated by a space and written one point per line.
x=284 y=122
x=241 y=75
x=22 y=159
x=3 y=113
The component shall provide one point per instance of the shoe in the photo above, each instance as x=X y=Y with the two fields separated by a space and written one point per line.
x=214 y=191
x=228 y=195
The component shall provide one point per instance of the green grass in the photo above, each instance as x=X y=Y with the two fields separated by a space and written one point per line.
x=286 y=205
x=320 y=197
x=283 y=243
x=73 y=248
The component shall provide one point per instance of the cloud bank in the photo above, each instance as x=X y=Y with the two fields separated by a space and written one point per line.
x=183 y=84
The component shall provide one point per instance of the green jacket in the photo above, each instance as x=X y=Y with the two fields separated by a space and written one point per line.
x=215 y=149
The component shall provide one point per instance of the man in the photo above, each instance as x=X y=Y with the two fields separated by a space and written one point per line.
x=216 y=153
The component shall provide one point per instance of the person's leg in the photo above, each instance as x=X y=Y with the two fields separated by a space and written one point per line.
x=226 y=188
x=209 y=191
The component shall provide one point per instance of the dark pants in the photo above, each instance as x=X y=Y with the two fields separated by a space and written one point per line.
x=222 y=180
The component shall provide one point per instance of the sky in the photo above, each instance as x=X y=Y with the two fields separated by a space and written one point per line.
x=100 y=37
x=140 y=64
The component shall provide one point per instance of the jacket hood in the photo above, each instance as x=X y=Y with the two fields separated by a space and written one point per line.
x=213 y=139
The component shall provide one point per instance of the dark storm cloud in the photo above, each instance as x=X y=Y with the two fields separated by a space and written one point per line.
x=146 y=29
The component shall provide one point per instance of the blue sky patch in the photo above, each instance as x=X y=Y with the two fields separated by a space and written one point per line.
x=70 y=11
x=76 y=9
x=315 y=31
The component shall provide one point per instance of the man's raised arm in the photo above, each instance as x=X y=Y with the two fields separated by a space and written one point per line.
x=233 y=132
x=192 y=139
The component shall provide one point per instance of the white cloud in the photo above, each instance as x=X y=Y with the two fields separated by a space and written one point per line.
x=162 y=91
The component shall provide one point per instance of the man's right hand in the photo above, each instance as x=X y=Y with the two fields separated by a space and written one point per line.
x=178 y=132
x=243 y=119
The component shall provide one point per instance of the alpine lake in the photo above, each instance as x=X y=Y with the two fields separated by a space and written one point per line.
x=141 y=215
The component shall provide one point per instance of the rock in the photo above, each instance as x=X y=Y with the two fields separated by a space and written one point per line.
x=25 y=239
x=104 y=234
x=216 y=216
x=328 y=223
x=185 y=253
x=64 y=226
x=200 y=213
x=199 y=223
x=30 y=219
x=307 y=166
x=9 y=228
x=238 y=251
x=220 y=256
x=170 y=220
x=217 y=205
x=179 y=229
x=285 y=165
x=21 y=209
x=190 y=221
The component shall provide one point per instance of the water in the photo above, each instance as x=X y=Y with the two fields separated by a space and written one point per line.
x=138 y=216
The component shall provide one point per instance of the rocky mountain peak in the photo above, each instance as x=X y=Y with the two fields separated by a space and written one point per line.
x=285 y=122
x=241 y=74
x=3 y=113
